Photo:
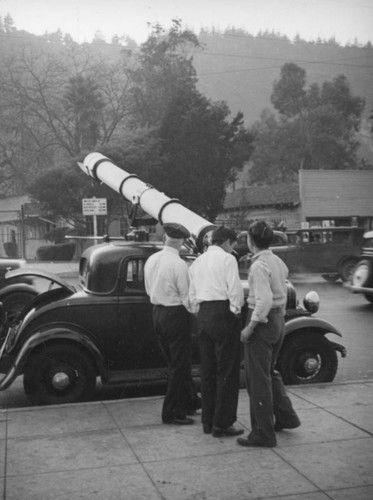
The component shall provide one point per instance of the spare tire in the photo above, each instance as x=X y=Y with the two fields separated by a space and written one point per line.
x=363 y=274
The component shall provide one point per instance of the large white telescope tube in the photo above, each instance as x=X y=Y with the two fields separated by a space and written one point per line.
x=156 y=204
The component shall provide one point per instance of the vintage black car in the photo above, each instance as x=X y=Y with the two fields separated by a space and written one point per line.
x=68 y=336
x=362 y=277
x=332 y=252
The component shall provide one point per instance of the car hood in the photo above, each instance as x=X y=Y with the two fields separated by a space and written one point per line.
x=53 y=278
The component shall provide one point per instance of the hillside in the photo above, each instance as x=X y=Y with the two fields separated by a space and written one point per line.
x=241 y=69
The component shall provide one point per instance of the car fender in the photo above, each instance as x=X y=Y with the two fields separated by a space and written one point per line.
x=17 y=287
x=56 y=333
x=307 y=322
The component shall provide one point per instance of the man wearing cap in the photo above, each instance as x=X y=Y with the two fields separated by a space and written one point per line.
x=216 y=295
x=167 y=284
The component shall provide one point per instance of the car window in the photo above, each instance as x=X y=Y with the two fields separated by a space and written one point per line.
x=134 y=275
x=278 y=240
x=98 y=276
x=293 y=238
x=340 y=237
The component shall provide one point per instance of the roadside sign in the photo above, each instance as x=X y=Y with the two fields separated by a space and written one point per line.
x=94 y=206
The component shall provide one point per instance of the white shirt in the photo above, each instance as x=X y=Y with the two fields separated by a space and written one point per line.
x=267 y=284
x=166 y=278
x=214 y=276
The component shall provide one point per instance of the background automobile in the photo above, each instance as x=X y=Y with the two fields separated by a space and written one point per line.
x=332 y=252
x=67 y=337
x=362 y=277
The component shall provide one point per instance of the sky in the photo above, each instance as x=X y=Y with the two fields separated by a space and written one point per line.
x=345 y=20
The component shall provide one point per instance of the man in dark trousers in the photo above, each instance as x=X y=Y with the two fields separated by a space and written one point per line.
x=167 y=284
x=216 y=295
x=270 y=407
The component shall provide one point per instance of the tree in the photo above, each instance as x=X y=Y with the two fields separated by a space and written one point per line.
x=60 y=192
x=288 y=93
x=9 y=24
x=316 y=128
x=142 y=110
x=84 y=104
x=164 y=68
x=201 y=150
x=56 y=100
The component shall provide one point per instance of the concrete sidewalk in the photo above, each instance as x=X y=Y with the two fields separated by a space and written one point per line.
x=120 y=450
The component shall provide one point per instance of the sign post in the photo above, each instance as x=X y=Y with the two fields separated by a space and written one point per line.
x=94 y=207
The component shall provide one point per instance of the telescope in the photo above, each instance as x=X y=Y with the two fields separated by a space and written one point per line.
x=150 y=200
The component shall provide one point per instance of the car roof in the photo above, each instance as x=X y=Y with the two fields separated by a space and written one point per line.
x=329 y=228
x=122 y=248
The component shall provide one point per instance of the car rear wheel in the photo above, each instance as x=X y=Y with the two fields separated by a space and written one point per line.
x=15 y=302
x=307 y=358
x=347 y=269
x=59 y=374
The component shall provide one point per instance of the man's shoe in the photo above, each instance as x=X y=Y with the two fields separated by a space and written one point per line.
x=180 y=421
x=279 y=427
x=228 y=432
x=207 y=429
x=250 y=443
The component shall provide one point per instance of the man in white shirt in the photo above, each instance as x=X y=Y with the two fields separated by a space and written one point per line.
x=167 y=284
x=216 y=295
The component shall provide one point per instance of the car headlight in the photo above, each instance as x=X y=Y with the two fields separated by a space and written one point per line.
x=311 y=302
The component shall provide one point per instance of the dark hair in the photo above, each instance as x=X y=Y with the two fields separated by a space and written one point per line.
x=261 y=234
x=222 y=234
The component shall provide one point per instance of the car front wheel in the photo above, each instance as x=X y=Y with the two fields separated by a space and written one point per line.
x=59 y=374
x=307 y=358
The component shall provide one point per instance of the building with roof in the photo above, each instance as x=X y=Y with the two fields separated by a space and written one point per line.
x=335 y=197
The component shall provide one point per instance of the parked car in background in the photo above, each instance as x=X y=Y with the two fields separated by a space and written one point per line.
x=279 y=240
x=332 y=252
x=362 y=277
x=16 y=293
x=68 y=336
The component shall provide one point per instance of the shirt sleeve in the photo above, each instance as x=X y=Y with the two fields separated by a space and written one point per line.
x=192 y=292
x=262 y=292
x=146 y=277
x=235 y=290
x=182 y=284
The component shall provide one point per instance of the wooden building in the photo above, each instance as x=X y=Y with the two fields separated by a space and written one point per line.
x=335 y=197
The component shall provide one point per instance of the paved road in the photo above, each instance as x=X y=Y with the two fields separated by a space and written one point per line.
x=351 y=314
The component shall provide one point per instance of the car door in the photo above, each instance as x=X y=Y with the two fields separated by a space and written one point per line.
x=290 y=251
x=137 y=344
x=321 y=252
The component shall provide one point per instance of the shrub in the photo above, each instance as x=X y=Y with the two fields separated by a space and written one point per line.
x=56 y=253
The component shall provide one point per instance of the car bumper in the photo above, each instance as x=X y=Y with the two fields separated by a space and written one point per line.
x=358 y=289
